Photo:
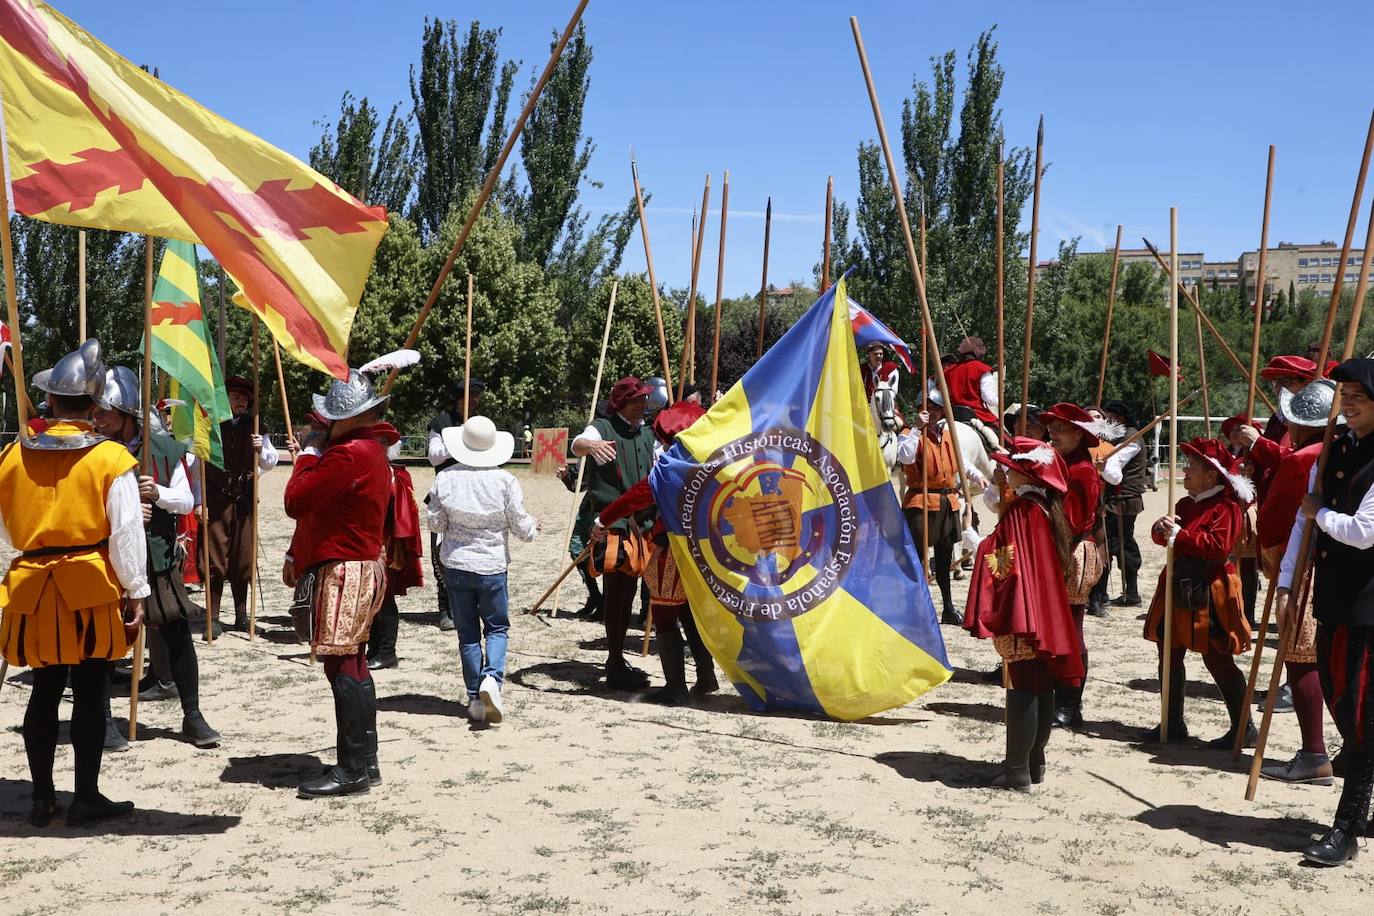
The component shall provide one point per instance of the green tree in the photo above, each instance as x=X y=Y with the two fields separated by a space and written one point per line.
x=375 y=170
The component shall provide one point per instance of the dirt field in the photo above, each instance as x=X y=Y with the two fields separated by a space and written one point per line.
x=586 y=802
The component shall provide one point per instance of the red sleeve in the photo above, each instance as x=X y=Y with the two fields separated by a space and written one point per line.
x=1212 y=533
x=636 y=499
x=1080 y=503
x=319 y=480
x=1266 y=454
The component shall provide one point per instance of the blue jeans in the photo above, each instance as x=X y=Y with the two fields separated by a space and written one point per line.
x=480 y=610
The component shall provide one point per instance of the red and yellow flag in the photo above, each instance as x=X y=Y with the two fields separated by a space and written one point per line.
x=91 y=140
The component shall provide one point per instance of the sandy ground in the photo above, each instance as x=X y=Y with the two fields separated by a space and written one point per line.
x=587 y=802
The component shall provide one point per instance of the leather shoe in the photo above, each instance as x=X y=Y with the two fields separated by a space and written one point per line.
x=626 y=678
x=84 y=812
x=1309 y=769
x=446 y=623
x=669 y=696
x=43 y=811
x=157 y=690
x=1228 y=740
x=378 y=663
x=1339 y=846
x=335 y=782
x=1127 y=601
x=196 y=730
x=1178 y=734
x=951 y=617
x=114 y=741
x=1018 y=780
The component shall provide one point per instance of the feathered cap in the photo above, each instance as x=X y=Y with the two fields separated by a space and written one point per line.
x=1211 y=452
x=357 y=396
x=1036 y=460
x=1094 y=429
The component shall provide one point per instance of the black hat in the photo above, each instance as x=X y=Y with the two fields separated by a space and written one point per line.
x=692 y=388
x=1358 y=370
x=1121 y=409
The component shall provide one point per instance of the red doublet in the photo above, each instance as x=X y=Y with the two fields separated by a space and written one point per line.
x=404 y=569
x=1018 y=590
x=340 y=498
x=1085 y=493
x=964 y=380
x=871 y=379
x=1287 y=487
x=1266 y=455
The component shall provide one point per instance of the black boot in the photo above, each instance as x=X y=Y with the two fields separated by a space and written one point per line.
x=1178 y=729
x=374 y=772
x=1068 y=706
x=1233 y=692
x=1131 y=596
x=670 y=647
x=1044 y=724
x=1341 y=842
x=381 y=640
x=701 y=657
x=349 y=776
x=1022 y=731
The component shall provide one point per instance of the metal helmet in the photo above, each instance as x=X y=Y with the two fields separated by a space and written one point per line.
x=658 y=395
x=122 y=392
x=1310 y=406
x=80 y=372
x=348 y=399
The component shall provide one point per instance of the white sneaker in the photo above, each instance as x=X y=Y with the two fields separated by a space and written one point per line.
x=477 y=710
x=489 y=694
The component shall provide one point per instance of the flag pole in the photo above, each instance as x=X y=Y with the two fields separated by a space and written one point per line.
x=205 y=542
x=720 y=287
x=219 y=325
x=1191 y=299
x=253 y=469
x=488 y=186
x=1107 y=332
x=467 y=356
x=582 y=462
x=687 y=368
x=763 y=284
x=1166 y=646
x=1030 y=282
x=927 y=324
x=1259 y=290
x=1202 y=378
x=281 y=387
x=1001 y=291
x=653 y=280
x=81 y=286
x=1293 y=624
x=16 y=360
x=825 y=243
x=145 y=456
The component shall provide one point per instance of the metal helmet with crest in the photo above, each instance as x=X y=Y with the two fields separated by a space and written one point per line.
x=356 y=396
x=80 y=372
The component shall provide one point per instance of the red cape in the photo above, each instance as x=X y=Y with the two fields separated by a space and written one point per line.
x=404 y=550
x=1026 y=595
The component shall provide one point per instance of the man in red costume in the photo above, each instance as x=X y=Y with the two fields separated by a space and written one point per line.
x=1286 y=373
x=877 y=369
x=404 y=557
x=972 y=382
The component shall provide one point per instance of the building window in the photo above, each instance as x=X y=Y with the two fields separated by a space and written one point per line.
x=1351 y=278
x=1327 y=262
x=1328 y=278
x=1302 y=262
x=1353 y=261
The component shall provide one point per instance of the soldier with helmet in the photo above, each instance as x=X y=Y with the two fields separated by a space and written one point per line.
x=69 y=504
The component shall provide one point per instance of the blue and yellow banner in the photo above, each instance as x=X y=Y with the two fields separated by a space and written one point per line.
x=798 y=564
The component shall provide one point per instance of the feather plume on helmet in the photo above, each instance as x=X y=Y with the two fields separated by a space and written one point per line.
x=348 y=399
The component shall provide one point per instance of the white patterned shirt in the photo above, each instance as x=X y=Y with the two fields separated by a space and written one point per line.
x=475 y=510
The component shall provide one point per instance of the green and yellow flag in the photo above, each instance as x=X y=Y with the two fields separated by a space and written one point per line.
x=182 y=349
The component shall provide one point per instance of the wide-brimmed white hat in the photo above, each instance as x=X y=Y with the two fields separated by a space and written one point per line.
x=478 y=443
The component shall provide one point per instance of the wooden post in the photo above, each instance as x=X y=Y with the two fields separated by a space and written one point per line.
x=145 y=457
x=720 y=289
x=1166 y=646
x=927 y=324
x=653 y=280
x=1261 y=634
x=1202 y=377
x=763 y=285
x=488 y=186
x=205 y=546
x=1107 y=332
x=81 y=286
x=591 y=416
x=281 y=387
x=1001 y=291
x=467 y=356
x=21 y=399
x=825 y=243
x=687 y=368
x=219 y=325
x=253 y=470
x=1259 y=290
x=1027 y=336
x=1293 y=624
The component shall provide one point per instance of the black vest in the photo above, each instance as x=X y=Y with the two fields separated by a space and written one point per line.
x=1343 y=592
x=1135 y=476
x=165 y=453
x=234 y=481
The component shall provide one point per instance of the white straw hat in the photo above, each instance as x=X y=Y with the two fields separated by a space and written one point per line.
x=478 y=443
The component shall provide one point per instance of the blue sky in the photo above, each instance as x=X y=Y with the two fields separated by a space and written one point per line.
x=1145 y=105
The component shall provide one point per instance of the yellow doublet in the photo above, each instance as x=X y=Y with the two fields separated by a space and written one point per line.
x=63 y=608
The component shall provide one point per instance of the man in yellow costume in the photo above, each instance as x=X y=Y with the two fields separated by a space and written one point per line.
x=73 y=597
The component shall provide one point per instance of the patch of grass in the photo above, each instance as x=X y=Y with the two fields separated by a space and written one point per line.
x=545 y=851
x=630 y=871
x=542 y=903
x=382 y=822
x=832 y=829
x=948 y=816
x=834 y=730
x=772 y=893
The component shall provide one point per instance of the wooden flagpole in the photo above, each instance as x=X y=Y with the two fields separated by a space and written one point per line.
x=763 y=284
x=927 y=324
x=825 y=243
x=582 y=462
x=1107 y=331
x=281 y=388
x=219 y=325
x=467 y=356
x=81 y=286
x=205 y=546
x=1166 y=646
x=145 y=457
x=1027 y=336
x=720 y=290
x=1259 y=290
x=1293 y=624
x=488 y=186
x=687 y=368
x=1001 y=293
x=16 y=356
x=253 y=469
x=653 y=280
x=1202 y=377
x=1352 y=222
x=1191 y=299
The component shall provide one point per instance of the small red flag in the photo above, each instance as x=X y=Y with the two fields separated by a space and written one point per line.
x=1159 y=366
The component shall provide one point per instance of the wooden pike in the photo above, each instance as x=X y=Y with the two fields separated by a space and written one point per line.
x=1166 y=647
x=253 y=469
x=1028 y=336
x=489 y=185
x=1107 y=331
x=720 y=291
x=145 y=456
x=81 y=286
x=21 y=397
x=1202 y=377
x=825 y=242
x=653 y=279
x=219 y=325
x=1260 y=280
x=687 y=367
x=205 y=549
x=1001 y=293
x=1193 y=303
x=763 y=285
x=467 y=355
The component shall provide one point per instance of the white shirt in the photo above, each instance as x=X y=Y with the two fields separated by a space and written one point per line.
x=976 y=461
x=437 y=452
x=1115 y=466
x=892 y=380
x=176 y=497
x=268 y=457
x=128 y=544
x=1352 y=530
x=476 y=510
x=987 y=390
x=592 y=434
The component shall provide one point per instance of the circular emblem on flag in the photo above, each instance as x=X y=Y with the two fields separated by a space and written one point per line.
x=771 y=523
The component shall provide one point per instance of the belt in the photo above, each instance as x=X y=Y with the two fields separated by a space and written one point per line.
x=942 y=491
x=58 y=551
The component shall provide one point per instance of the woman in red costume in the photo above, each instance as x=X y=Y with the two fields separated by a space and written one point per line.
x=1018 y=599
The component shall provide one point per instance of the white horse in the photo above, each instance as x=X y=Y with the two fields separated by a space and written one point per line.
x=883 y=407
